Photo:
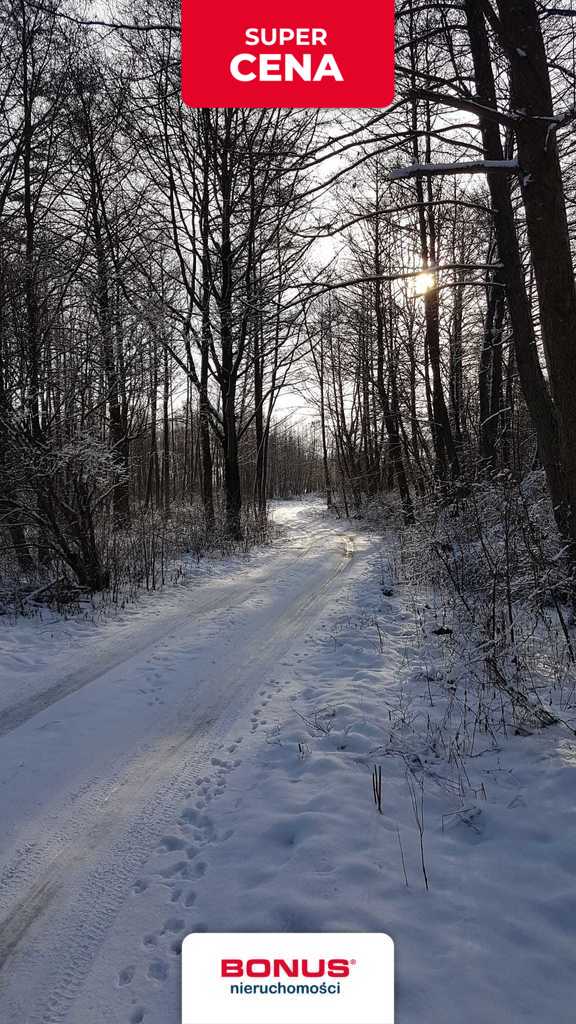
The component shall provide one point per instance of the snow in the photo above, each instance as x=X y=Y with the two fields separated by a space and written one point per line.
x=216 y=774
x=460 y=167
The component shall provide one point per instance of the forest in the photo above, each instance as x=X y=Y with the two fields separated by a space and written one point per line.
x=169 y=275
x=287 y=516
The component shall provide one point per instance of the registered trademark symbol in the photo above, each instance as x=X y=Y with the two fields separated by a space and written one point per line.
x=352 y=961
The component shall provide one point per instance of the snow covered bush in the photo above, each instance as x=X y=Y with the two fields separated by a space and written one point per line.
x=55 y=492
x=500 y=592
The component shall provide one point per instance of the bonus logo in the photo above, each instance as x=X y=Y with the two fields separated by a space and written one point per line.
x=318 y=968
x=287 y=978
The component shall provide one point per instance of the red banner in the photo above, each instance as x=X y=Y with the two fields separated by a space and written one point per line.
x=312 y=53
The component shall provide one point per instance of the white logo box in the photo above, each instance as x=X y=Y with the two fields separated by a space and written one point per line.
x=281 y=978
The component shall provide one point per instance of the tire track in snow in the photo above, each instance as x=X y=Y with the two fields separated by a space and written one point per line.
x=33 y=855
x=20 y=713
x=77 y=900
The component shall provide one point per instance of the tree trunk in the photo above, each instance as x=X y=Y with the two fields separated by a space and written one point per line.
x=532 y=381
x=490 y=371
x=153 y=476
x=166 y=475
x=545 y=208
x=443 y=441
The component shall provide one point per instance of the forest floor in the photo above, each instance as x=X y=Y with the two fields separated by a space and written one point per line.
x=204 y=761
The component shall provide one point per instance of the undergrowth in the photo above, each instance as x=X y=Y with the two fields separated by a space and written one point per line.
x=154 y=551
x=500 y=592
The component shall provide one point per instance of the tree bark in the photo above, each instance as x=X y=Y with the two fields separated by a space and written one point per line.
x=532 y=381
x=546 y=221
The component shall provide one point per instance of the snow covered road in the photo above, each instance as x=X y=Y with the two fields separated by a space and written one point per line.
x=204 y=762
x=112 y=732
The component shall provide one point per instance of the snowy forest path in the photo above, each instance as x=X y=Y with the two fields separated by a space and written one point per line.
x=94 y=765
x=113 y=655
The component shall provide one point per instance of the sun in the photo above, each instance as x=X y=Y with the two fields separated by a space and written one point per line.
x=423 y=283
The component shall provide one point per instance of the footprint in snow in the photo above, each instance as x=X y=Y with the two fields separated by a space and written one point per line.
x=169 y=844
x=137 y=1015
x=158 y=971
x=218 y=763
x=125 y=976
x=179 y=868
x=174 y=924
